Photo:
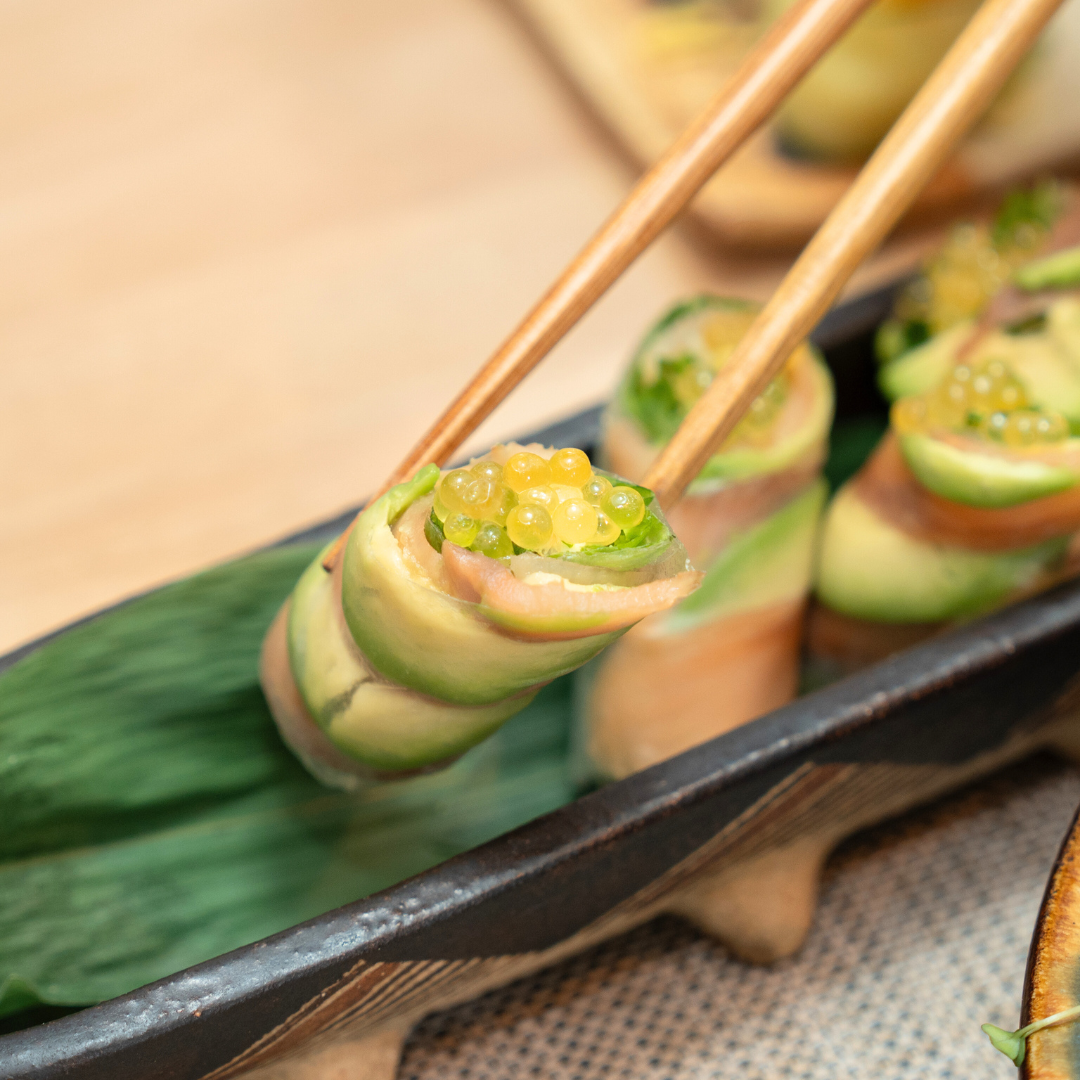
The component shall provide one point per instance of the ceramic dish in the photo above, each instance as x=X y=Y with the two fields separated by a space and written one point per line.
x=731 y=835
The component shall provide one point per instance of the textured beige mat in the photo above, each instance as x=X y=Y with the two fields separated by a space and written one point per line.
x=921 y=936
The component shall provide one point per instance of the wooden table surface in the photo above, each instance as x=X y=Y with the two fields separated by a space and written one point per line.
x=251 y=249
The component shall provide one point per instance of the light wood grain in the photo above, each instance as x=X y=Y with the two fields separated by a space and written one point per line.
x=773 y=67
x=950 y=102
x=249 y=251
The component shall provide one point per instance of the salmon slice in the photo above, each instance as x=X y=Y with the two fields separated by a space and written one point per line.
x=553 y=611
x=658 y=694
x=706 y=523
x=421 y=559
x=297 y=726
x=853 y=643
x=888 y=486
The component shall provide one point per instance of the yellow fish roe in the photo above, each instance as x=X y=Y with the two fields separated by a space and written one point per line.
x=571 y=467
x=607 y=532
x=544 y=495
x=537 y=504
x=961 y=278
x=575 y=521
x=986 y=400
x=530 y=527
x=564 y=492
x=595 y=489
x=526 y=470
x=461 y=529
x=624 y=506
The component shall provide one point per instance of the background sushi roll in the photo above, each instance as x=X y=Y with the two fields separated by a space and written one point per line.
x=847 y=103
x=974 y=266
x=456 y=597
x=749 y=520
x=973 y=496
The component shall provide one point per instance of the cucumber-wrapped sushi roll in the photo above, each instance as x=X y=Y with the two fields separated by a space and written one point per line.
x=951 y=295
x=455 y=598
x=729 y=652
x=854 y=94
x=973 y=496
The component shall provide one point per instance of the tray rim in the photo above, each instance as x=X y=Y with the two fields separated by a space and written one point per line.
x=398 y=923
x=600 y=79
x=428 y=916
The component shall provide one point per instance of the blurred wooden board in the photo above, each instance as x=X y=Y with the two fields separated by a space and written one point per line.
x=646 y=75
x=251 y=250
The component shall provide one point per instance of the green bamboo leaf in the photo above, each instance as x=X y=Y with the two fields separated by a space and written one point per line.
x=132 y=720
x=152 y=817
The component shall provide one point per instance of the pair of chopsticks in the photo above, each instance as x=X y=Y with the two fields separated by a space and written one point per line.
x=951 y=100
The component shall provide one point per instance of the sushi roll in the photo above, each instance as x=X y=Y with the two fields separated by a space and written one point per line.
x=974 y=265
x=847 y=103
x=972 y=498
x=730 y=652
x=456 y=596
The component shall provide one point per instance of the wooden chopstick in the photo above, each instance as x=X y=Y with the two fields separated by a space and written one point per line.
x=952 y=99
x=791 y=47
x=782 y=57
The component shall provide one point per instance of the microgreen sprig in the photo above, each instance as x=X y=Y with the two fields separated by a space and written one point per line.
x=1013 y=1044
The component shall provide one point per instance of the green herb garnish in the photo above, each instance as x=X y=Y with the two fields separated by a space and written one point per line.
x=667 y=375
x=1013 y=1044
x=433 y=530
x=1027 y=210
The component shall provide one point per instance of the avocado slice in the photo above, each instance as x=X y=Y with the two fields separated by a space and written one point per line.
x=869 y=569
x=922 y=368
x=1061 y=270
x=385 y=726
x=1046 y=362
x=1063 y=328
x=982 y=479
x=768 y=563
x=427 y=640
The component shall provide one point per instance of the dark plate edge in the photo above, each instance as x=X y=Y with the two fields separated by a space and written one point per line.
x=398 y=923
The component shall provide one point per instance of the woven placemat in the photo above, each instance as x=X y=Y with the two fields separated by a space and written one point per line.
x=921 y=936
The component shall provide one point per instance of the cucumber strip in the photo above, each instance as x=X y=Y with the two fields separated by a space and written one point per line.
x=1058 y=271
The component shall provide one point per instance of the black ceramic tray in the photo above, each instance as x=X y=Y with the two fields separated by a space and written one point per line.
x=732 y=835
